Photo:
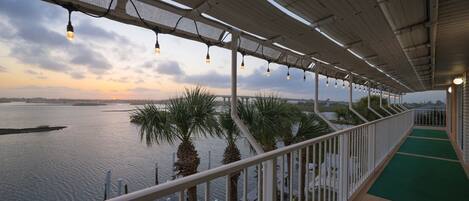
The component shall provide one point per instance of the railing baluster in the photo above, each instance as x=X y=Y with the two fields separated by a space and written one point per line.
x=282 y=180
x=324 y=187
x=300 y=176
x=290 y=176
x=329 y=169
x=228 y=188
x=181 y=195
x=306 y=166
x=315 y=166
x=245 y=184
x=259 y=182
x=207 y=191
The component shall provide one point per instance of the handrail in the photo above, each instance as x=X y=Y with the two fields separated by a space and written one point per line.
x=181 y=184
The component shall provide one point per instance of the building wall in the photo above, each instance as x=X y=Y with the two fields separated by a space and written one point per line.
x=465 y=138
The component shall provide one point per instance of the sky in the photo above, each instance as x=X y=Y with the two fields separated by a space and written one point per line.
x=112 y=60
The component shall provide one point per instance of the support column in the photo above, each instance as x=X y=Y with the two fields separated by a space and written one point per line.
x=389 y=103
x=269 y=178
x=369 y=103
x=234 y=108
x=381 y=102
x=350 y=102
x=316 y=103
x=399 y=103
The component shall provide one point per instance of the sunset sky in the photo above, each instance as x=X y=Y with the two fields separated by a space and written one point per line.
x=109 y=59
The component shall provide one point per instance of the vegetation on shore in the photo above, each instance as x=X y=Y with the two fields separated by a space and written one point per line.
x=6 y=131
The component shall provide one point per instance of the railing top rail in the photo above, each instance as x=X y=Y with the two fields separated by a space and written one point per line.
x=177 y=185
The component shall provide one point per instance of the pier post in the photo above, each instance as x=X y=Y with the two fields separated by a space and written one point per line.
x=119 y=186
x=156 y=174
x=107 y=184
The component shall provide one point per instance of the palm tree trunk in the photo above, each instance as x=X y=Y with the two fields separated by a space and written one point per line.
x=230 y=155
x=187 y=164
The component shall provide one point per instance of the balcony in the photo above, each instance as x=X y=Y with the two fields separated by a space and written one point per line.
x=406 y=156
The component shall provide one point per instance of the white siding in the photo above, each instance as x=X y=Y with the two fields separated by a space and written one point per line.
x=465 y=137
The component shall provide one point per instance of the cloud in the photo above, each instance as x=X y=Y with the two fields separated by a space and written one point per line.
x=142 y=89
x=212 y=79
x=87 y=29
x=122 y=79
x=77 y=75
x=32 y=41
x=93 y=60
x=29 y=71
x=49 y=92
x=41 y=77
x=169 y=68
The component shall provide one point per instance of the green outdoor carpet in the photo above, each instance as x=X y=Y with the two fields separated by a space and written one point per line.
x=409 y=178
x=429 y=133
x=434 y=148
x=413 y=178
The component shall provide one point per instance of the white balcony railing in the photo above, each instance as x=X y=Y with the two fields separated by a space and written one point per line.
x=435 y=117
x=337 y=165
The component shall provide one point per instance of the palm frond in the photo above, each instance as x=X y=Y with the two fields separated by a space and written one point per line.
x=155 y=125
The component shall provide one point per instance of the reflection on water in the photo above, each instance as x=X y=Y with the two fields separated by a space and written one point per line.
x=70 y=164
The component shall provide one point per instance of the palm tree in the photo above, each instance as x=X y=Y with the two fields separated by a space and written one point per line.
x=266 y=118
x=230 y=134
x=186 y=117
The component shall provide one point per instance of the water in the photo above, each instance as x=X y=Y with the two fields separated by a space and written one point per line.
x=70 y=164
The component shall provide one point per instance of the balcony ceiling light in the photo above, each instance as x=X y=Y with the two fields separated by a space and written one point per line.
x=458 y=80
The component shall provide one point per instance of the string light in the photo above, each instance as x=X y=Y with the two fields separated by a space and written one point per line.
x=207 y=58
x=304 y=75
x=343 y=84
x=70 y=33
x=327 y=81
x=268 y=69
x=288 y=73
x=242 y=62
x=335 y=83
x=157 y=44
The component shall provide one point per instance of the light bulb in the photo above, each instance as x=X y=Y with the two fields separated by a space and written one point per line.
x=288 y=76
x=242 y=63
x=327 y=81
x=458 y=80
x=70 y=33
x=343 y=84
x=268 y=72
x=207 y=59
x=335 y=84
x=304 y=75
x=157 y=48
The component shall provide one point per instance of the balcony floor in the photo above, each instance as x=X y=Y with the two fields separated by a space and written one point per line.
x=424 y=168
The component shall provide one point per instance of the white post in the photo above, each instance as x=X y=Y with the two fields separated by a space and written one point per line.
x=369 y=103
x=269 y=173
x=350 y=100
x=234 y=98
x=316 y=102
x=344 y=162
x=389 y=103
x=174 y=166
